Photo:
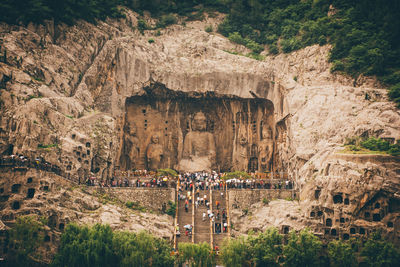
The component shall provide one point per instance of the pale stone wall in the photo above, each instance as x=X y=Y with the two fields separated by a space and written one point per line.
x=244 y=198
x=151 y=198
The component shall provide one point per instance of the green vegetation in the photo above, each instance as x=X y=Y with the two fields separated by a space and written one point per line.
x=166 y=20
x=209 y=28
x=305 y=249
x=379 y=252
x=25 y=238
x=135 y=206
x=200 y=255
x=341 y=254
x=42 y=146
x=236 y=252
x=100 y=246
x=68 y=11
x=167 y=172
x=364 y=35
x=372 y=145
x=236 y=175
x=142 y=26
x=266 y=247
x=171 y=210
x=151 y=40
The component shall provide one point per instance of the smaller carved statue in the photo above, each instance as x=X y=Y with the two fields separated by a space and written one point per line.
x=154 y=154
x=129 y=153
x=266 y=149
x=241 y=157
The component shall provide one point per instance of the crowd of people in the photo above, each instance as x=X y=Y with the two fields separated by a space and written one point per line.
x=145 y=182
x=26 y=162
x=149 y=179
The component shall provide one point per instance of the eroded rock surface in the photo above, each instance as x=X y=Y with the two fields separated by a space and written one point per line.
x=64 y=92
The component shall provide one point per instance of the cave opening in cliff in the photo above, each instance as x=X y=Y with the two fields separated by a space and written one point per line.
x=191 y=131
x=15 y=188
x=328 y=222
x=31 y=193
x=16 y=205
x=337 y=199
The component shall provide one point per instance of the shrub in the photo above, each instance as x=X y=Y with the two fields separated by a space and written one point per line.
x=166 y=20
x=151 y=40
x=376 y=144
x=142 y=26
x=256 y=48
x=394 y=93
x=129 y=204
x=209 y=28
x=167 y=172
x=273 y=49
x=237 y=175
x=171 y=208
x=237 y=38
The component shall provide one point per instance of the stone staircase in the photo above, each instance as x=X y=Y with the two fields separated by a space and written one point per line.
x=203 y=231
x=202 y=228
x=184 y=218
x=216 y=196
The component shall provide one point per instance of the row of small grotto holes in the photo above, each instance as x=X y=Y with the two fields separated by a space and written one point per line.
x=15 y=188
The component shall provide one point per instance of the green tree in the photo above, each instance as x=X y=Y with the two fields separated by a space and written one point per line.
x=266 y=248
x=141 y=249
x=26 y=237
x=303 y=249
x=379 y=252
x=84 y=246
x=341 y=254
x=197 y=255
x=236 y=252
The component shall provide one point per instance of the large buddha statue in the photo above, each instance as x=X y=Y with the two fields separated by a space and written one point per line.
x=129 y=150
x=154 y=154
x=198 y=147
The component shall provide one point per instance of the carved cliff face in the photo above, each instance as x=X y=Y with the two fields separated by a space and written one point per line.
x=200 y=125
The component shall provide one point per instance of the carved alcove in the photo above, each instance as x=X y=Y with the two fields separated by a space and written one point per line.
x=241 y=129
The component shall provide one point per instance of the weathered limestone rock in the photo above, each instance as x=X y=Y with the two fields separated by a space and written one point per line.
x=67 y=93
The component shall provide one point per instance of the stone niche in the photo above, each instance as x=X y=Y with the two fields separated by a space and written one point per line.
x=196 y=131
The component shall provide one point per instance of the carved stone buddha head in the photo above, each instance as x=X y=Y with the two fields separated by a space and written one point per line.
x=199 y=122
